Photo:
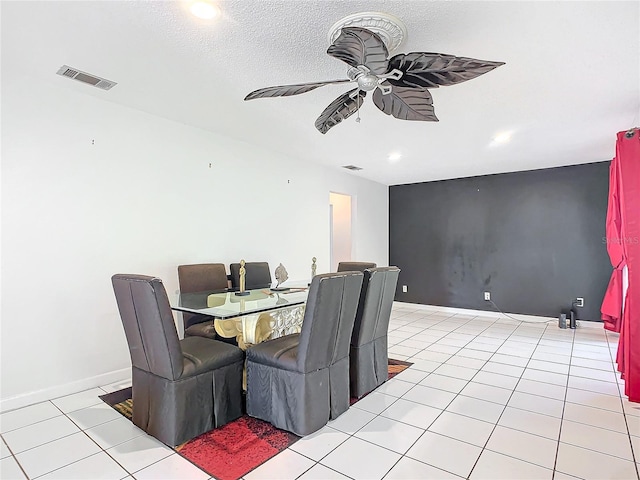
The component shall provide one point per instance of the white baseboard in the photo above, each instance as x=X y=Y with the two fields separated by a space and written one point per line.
x=486 y=313
x=43 y=395
x=22 y=400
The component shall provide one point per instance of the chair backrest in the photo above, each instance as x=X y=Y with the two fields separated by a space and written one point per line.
x=355 y=266
x=374 y=307
x=328 y=319
x=257 y=275
x=202 y=277
x=148 y=325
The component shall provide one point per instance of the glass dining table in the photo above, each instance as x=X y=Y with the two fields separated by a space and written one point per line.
x=259 y=315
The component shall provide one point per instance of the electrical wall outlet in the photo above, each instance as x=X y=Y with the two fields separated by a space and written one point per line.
x=487 y=296
x=579 y=302
x=404 y=289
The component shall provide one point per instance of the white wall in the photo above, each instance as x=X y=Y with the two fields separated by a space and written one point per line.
x=341 y=229
x=90 y=189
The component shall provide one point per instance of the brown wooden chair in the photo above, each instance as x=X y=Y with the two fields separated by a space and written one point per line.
x=257 y=275
x=355 y=266
x=201 y=277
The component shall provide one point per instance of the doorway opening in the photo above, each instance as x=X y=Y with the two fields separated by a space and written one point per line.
x=340 y=221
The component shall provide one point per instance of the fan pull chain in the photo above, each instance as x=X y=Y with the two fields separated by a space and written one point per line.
x=358 y=108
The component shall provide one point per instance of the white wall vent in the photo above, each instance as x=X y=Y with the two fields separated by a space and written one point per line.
x=84 y=77
x=352 y=167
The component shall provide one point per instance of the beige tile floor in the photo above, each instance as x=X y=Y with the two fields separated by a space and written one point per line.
x=485 y=398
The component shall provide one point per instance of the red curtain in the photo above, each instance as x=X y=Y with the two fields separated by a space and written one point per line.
x=623 y=245
x=611 y=308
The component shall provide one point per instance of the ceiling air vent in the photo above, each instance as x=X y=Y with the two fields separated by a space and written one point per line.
x=84 y=77
x=352 y=167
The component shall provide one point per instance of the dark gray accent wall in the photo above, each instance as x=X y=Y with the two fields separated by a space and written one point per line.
x=533 y=239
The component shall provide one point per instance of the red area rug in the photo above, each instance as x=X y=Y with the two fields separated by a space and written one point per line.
x=239 y=447
x=233 y=450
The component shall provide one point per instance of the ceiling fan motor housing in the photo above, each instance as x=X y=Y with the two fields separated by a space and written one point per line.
x=367 y=82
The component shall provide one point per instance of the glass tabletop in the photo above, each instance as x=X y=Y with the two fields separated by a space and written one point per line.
x=226 y=304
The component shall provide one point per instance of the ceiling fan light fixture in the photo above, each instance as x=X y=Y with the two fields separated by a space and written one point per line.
x=205 y=10
x=367 y=82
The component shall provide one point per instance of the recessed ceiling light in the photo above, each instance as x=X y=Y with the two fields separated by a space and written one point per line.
x=205 y=10
x=395 y=156
x=502 y=137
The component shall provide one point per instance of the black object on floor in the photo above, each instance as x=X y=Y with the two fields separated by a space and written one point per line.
x=562 y=320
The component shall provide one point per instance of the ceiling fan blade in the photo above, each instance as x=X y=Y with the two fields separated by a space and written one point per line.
x=342 y=107
x=359 y=46
x=406 y=103
x=288 y=90
x=431 y=70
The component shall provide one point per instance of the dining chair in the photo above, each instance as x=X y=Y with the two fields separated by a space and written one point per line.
x=355 y=266
x=180 y=388
x=201 y=277
x=368 y=358
x=299 y=382
x=257 y=275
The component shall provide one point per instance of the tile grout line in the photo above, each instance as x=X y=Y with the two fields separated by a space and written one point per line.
x=350 y=435
x=80 y=430
x=35 y=423
x=316 y=462
x=505 y=407
x=12 y=455
x=102 y=449
x=624 y=413
x=441 y=410
x=564 y=407
x=468 y=381
x=457 y=394
x=402 y=455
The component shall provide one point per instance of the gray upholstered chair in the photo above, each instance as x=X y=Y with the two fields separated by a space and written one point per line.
x=257 y=275
x=298 y=382
x=355 y=266
x=368 y=357
x=202 y=277
x=181 y=388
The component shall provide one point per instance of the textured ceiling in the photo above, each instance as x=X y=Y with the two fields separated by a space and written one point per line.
x=571 y=79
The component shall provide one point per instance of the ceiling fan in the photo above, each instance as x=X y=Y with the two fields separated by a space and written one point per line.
x=400 y=83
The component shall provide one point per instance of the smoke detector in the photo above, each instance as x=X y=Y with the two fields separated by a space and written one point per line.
x=85 y=77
